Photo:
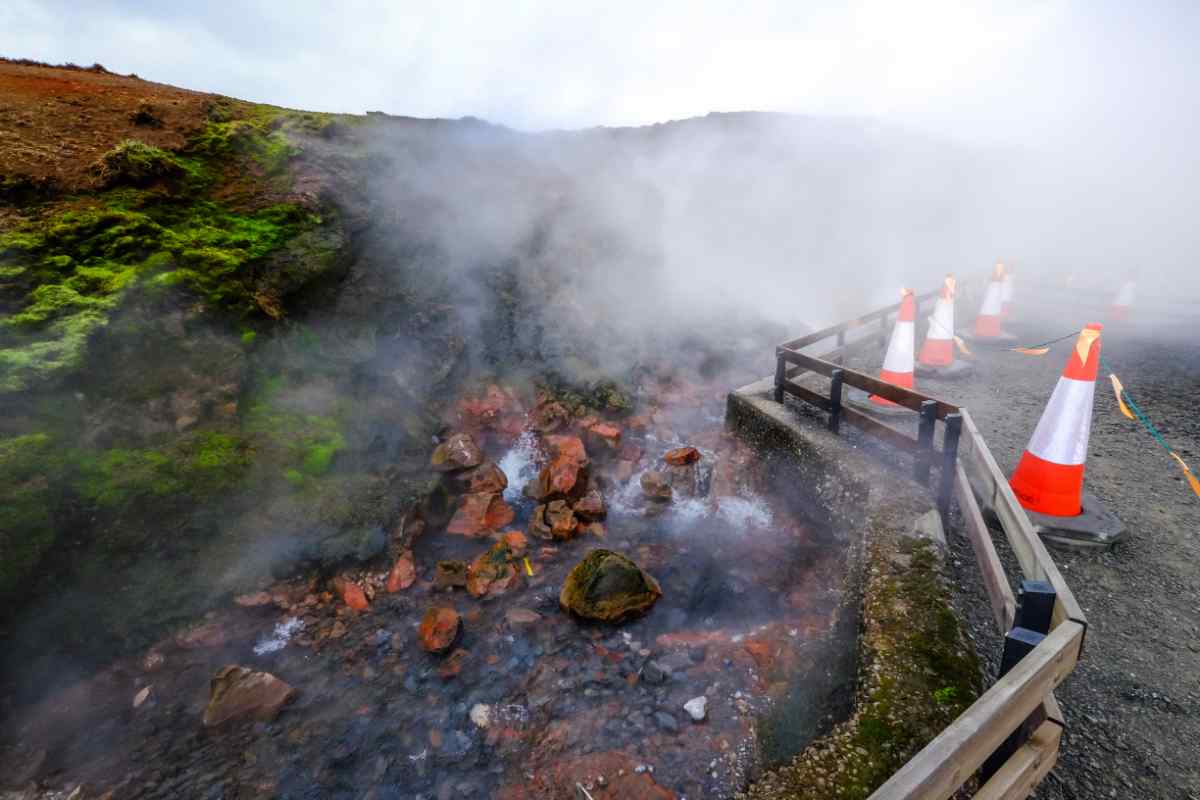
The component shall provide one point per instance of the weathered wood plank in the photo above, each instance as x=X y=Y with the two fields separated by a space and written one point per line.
x=1004 y=604
x=898 y=439
x=857 y=322
x=1036 y=561
x=1026 y=768
x=897 y=394
x=953 y=756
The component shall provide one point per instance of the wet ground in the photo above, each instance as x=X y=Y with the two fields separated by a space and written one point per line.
x=532 y=700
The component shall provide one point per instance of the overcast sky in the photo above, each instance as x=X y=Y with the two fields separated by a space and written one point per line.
x=1011 y=71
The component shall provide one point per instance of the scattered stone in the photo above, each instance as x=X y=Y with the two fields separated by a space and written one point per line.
x=666 y=722
x=655 y=673
x=450 y=574
x=607 y=586
x=487 y=478
x=453 y=664
x=685 y=479
x=481 y=715
x=697 y=708
x=352 y=594
x=483 y=412
x=521 y=616
x=237 y=692
x=141 y=697
x=656 y=486
x=516 y=542
x=605 y=434
x=456 y=453
x=566 y=474
x=493 y=572
x=549 y=416
x=681 y=455
x=152 y=661
x=439 y=628
x=590 y=507
x=561 y=519
x=254 y=600
x=480 y=514
x=592 y=529
x=205 y=634
x=403 y=573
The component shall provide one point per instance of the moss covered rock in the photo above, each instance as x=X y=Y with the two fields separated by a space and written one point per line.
x=608 y=587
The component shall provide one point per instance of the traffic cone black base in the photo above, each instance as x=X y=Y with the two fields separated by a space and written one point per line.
x=858 y=399
x=950 y=372
x=1094 y=527
x=1003 y=339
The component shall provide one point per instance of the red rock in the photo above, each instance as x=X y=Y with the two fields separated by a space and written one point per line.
x=480 y=514
x=606 y=434
x=439 y=628
x=483 y=412
x=486 y=478
x=590 y=507
x=492 y=572
x=453 y=664
x=516 y=542
x=681 y=456
x=554 y=520
x=566 y=474
x=403 y=573
x=352 y=594
x=761 y=651
x=237 y=692
x=253 y=600
x=456 y=453
x=206 y=634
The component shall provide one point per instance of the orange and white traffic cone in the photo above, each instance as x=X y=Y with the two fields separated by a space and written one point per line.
x=987 y=324
x=898 y=362
x=1006 y=294
x=1049 y=478
x=1123 y=301
x=938 y=349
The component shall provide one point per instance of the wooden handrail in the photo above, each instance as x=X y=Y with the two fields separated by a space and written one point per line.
x=952 y=757
x=857 y=322
x=897 y=394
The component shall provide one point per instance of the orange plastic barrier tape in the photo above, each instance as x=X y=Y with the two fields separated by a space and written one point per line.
x=1187 y=472
x=1120 y=390
x=1030 y=351
x=962 y=346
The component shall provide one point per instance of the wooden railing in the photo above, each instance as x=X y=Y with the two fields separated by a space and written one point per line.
x=1023 y=697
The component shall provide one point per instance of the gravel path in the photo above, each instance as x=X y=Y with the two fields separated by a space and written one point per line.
x=1133 y=704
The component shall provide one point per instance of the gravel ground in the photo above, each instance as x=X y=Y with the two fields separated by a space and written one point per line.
x=1132 y=705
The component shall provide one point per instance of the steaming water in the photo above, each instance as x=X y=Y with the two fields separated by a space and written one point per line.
x=751 y=511
x=279 y=638
x=520 y=465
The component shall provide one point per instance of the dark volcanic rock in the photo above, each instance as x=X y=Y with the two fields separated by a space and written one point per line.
x=607 y=586
x=237 y=693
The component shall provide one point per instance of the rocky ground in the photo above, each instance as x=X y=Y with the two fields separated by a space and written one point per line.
x=1132 y=705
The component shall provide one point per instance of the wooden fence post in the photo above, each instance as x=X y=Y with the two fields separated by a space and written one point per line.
x=1035 y=606
x=924 y=459
x=780 y=376
x=835 y=400
x=949 y=461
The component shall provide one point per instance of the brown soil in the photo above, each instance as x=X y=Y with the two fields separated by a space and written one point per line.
x=55 y=122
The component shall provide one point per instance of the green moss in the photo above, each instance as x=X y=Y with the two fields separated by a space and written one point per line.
x=305 y=443
x=253 y=138
x=918 y=673
x=30 y=467
x=133 y=162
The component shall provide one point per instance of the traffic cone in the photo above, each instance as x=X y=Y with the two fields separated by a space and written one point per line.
x=938 y=348
x=1123 y=301
x=898 y=362
x=1006 y=294
x=1049 y=478
x=987 y=324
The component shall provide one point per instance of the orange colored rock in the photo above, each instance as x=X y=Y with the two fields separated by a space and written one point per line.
x=483 y=412
x=681 y=456
x=761 y=651
x=486 y=478
x=566 y=474
x=253 y=600
x=403 y=573
x=549 y=415
x=439 y=628
x=206 y=634
x=480 y=514
x=516 y=542
x=352 y=594
x=236 y=692
x=492 y=572
x=605 y=433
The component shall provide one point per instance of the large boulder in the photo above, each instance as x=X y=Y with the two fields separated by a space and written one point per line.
x=608 y=587
x=456 y=453
x=237 y=692
x=480 y=514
